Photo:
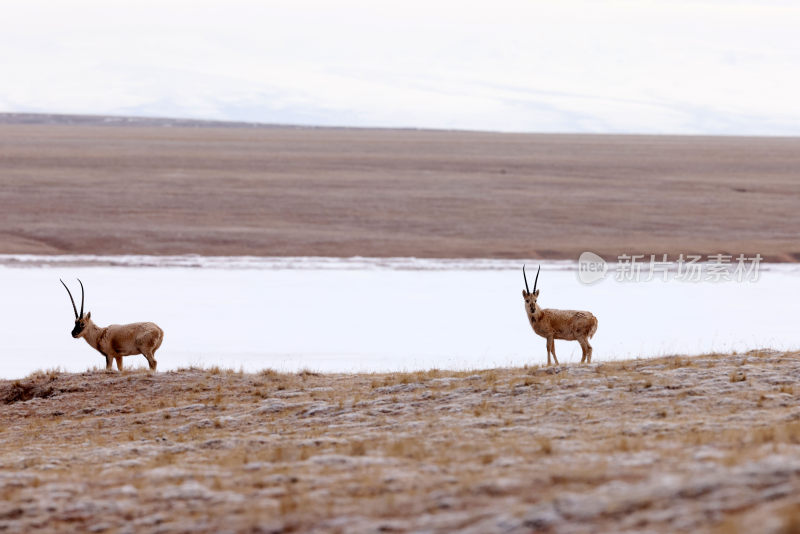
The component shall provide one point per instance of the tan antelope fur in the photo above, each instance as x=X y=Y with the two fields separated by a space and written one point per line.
x=117 y=340
x=570 y=325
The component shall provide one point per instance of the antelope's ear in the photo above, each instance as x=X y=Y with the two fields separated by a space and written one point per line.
x=536 y=293
x=524 y=293
x=88 y=315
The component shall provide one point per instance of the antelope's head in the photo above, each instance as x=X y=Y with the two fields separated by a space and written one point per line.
x=80 y=320
x=530 y=298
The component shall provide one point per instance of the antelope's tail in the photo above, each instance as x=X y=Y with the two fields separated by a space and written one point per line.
x=594 y=327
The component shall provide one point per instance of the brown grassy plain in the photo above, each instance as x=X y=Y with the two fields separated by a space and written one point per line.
x=145 y=189
x=693 y=444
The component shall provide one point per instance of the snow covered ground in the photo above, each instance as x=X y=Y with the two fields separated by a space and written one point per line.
x=371 y=314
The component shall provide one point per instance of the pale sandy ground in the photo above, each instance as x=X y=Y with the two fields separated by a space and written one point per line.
x=71 y=186
x=708 y=443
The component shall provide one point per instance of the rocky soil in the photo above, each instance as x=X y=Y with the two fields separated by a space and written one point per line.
x=708 y=443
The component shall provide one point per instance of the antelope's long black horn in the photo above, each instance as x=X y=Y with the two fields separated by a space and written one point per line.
x=537 y=279
x=526 y=280
x=70 y=297
x=81 y=283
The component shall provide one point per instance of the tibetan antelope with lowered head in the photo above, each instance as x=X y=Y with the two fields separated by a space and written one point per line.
x=552 y=324
x=117 y=340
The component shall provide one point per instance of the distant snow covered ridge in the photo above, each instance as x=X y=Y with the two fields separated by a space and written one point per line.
x=277 y=263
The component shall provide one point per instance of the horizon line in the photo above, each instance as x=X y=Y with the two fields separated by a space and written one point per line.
x=98 y=119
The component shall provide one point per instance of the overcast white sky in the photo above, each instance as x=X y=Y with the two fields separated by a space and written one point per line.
x=697 y=67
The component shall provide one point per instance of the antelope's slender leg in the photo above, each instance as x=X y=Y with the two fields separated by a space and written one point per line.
x=589 y=354
x=119 y=362
x=108 y=362
x=150 y=359
x=585 y=349
x=552 y=342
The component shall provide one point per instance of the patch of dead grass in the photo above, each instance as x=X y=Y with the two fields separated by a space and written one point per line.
x=502 y=428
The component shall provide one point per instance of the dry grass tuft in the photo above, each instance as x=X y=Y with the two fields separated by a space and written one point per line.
x=737 y=376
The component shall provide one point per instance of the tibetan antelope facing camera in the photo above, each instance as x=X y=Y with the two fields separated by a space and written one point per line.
x=117 y=340
x=552 y=324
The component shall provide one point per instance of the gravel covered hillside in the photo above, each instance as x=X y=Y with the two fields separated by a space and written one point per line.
x=680 y=443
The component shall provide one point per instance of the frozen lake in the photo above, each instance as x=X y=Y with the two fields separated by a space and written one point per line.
x=372 y=315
